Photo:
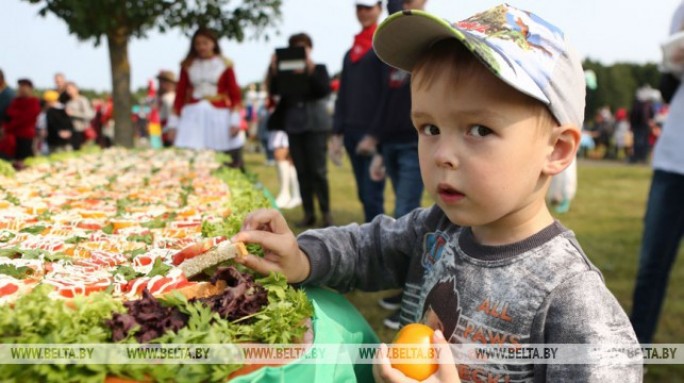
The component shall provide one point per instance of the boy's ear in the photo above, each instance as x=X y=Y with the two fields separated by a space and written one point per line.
x=564 y=142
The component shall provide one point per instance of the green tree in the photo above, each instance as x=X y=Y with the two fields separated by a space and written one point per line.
x=118 y=21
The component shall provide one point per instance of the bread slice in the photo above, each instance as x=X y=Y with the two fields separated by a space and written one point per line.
x=222 y=252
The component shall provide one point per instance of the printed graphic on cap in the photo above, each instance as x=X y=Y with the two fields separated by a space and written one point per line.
x=516 y=35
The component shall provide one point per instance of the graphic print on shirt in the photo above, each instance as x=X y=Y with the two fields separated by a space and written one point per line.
x=467 y=303
x=433 y=248
x=433 y=245
x=441 y=309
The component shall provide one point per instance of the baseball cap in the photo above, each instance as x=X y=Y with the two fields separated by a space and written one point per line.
x=520 y=48
x=367 y=3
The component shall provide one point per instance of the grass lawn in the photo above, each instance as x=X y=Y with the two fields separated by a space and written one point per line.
x=606 y=216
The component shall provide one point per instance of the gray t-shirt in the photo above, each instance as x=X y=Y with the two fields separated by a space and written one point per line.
x=539 y=290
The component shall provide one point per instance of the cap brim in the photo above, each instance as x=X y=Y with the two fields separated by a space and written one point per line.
x=401 y=39
x=405 y=36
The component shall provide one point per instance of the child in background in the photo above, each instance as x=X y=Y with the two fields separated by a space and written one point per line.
x=165 y=99
x=623 y=135
x=60 y=129
x=497 y=101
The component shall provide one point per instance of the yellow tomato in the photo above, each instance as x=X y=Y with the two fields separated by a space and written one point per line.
x=415 y=340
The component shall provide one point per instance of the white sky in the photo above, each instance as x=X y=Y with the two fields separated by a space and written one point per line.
x=36 y=47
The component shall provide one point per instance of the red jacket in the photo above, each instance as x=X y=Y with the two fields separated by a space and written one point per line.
x=22 y=115
x=229 y=94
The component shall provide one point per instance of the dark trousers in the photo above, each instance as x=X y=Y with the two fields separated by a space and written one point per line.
x=641 y=147
x=309 y=155
x=77 y=140
x=237 y=158
x=24 y=148
x=371 y=193
x=663 y=230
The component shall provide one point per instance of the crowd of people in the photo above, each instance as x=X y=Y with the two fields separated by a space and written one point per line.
x=628 y=133
x=60 y=120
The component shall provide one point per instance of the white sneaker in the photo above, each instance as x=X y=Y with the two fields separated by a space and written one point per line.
x=284 y=196
x=294 y=202
x=283 y=200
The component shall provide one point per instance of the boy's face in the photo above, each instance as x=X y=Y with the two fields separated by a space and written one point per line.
x=481 y=149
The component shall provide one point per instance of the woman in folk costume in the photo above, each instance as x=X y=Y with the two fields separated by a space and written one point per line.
x=208 y=100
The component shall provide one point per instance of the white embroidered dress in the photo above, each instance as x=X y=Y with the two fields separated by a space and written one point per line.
x=201 y=124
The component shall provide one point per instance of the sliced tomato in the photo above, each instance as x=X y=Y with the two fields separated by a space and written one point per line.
x=8 y=289
x=186 y=224
x=142 y=260
x=129 y=286
x=89 y=225
x=71 y=291
x=156 y=286
x=196 y=249
x=160 y=286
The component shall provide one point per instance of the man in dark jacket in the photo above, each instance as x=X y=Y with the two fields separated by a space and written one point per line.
x=357 y=106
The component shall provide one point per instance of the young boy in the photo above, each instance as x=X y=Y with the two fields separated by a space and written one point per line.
x=497 y=103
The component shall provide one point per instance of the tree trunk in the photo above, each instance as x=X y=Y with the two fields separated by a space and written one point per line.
x=121 y=86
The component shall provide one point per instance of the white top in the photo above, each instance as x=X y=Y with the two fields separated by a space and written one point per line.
x=166 y=105
x=204 y=75
x=668 y=154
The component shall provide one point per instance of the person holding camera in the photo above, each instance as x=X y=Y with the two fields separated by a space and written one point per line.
x=301 y=88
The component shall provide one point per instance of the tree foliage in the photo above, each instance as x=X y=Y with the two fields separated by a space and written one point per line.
x=96 y=19
x=117 y=21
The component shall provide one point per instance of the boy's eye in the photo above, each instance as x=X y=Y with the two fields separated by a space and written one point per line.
x=479 y=131
x=429 y=130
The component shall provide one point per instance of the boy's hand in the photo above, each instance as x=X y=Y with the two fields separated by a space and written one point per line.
x=383 y=372
x=267 y=227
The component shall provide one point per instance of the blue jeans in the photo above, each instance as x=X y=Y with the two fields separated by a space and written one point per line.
x=370 y=193
x=663 y=230
x=402 y=167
